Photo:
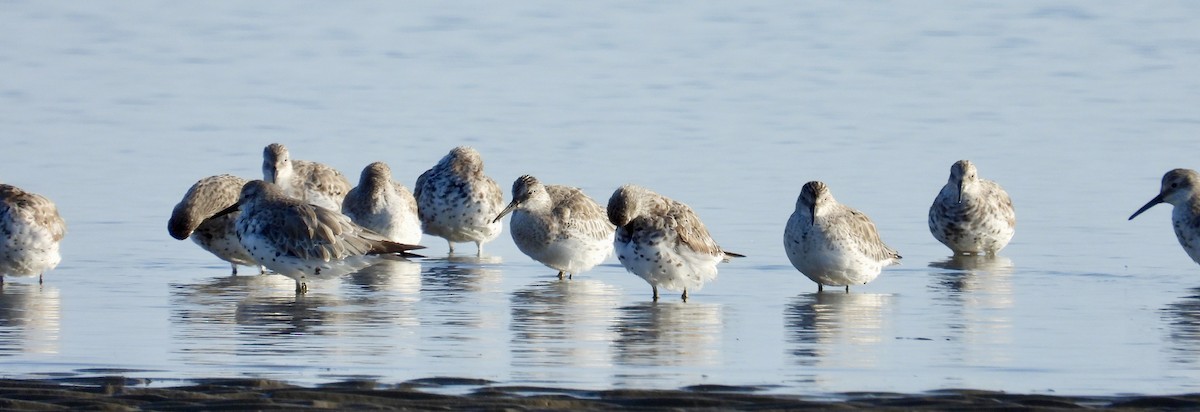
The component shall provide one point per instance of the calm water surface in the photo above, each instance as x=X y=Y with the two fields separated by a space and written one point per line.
x=1077 y=108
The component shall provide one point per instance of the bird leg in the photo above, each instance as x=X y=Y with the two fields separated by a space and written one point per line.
x=685 y=294
x=820 y=288
x=560 y=275
x=847 y=288
x=655 y=293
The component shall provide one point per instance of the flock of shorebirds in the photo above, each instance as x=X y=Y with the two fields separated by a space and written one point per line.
x=304 y=220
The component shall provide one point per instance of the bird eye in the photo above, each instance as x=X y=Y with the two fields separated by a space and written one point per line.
x=1174 y=185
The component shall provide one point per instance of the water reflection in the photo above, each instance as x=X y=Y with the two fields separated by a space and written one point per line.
x=668 y=333
x=836 y=329
x=975 y=273
x=253 y=318
x=1183 y=318
x=452 y=278
x=458 y=316
x=975 y=294
x=562 y=323
x=401 y=276
x=29 y=318
x=269 y=312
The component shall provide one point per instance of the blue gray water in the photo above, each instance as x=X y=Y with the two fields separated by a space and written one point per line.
x=1076 y=107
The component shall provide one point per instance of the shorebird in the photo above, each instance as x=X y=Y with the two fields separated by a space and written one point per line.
x=32 y=230
x=299 y=240
x=832 y=243
x=663 y=241
x=311 y=182
x=192 y=218
x=457 y=202
x=382 y=205
x=559 y=226
x=972 y=215
x=1179 y=189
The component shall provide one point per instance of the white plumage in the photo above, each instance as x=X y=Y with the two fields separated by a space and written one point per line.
x=32 y=230
x=217 y=235
x=559 y=226
x=299 y=240
x=972 y=215
x=457 y=202
x=663 y=241
x=312 y=182
x=383 y=205
x=833 y=244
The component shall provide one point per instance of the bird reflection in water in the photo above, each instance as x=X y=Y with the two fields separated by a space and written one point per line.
x=30 y=318
x=269 y=312
x=261 y=316
x=835 y=329
x=452 y=278
x=561 y=323
x=668 y=333
x=974 y=273
x=258 y=305
x=974 y=294
x=389 y=292
x=400 y=276
x=458 y=316
x=1183 y=333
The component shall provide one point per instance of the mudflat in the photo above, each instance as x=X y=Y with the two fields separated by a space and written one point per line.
x=116 y=393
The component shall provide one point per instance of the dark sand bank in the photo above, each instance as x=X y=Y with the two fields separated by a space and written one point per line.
x=119 y=393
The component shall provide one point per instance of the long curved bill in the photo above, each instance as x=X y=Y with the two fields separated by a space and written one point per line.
x=511 y=206
x=1156 y=200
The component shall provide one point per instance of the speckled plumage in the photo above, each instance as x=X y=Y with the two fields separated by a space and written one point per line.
x=383 y=205
x=311 y=182
x=663 y=241
x=217 y=235
x=1179 y=188
x=559 y=226
x=972 y=215
x=299 y=240
x=457 y=202
x=833 y=244
x=31 y=231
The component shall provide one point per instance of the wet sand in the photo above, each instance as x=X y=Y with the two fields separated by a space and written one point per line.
x=117 y=393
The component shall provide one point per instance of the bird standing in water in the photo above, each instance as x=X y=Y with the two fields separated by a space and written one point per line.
x=311 y=182
x=191 y=218
x=31 y=230
x=972 y=215
x=1179 y=189
x=299 y=240
x=457 y=202
x=383 y=205
x=663 y=241
x=559 y=226
x=833 y=244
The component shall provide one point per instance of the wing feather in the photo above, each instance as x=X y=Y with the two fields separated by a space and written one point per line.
x=579 y=214
x=691 y=230
x=857 y=223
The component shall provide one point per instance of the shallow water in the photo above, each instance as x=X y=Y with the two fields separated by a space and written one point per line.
x=1077 y=108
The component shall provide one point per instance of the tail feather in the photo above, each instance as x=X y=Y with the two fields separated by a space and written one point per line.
x=397 y=249
x=731 y=255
